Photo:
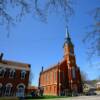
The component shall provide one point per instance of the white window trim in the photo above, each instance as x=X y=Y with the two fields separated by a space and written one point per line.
x=0 y=87
x=9 y=84
x=20 y=84
x=23 y=71
x=3 y=73
x=20 y=94
x=10 y=76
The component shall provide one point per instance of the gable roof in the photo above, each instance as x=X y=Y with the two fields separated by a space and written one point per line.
x=90 y=83
x=98 y=83
x=53 y=66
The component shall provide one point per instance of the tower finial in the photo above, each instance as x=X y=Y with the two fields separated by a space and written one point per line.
x=42 y=69
x=67 y=32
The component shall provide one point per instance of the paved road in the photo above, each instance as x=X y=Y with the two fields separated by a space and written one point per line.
x=83 y=98
x=79 y=98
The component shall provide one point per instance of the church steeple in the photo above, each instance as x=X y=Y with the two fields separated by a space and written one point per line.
x=68 y=45
x=67 y=33
x=67 y=38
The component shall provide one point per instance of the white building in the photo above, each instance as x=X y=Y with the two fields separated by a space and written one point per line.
x=98 y=85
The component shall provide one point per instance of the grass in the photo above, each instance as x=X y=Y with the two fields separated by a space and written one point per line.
x=33 y=98
x=9 y=98
x=46 y=97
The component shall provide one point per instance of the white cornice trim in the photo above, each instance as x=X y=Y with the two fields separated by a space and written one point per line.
x=14 y=67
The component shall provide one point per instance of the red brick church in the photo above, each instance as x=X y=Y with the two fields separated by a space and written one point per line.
x=63 y=77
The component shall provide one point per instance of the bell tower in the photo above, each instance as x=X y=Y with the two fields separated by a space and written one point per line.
x=69 y=49
x=70 y=59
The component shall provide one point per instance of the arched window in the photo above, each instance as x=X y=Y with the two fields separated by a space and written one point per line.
x=12 y=73
x=8 y=89
x=63 y=75
x=46 y=77
x=73 y=73
x=23 y=74
x=51 y=76
x=20 y=90
x=2 y=72
x=55 y=76
x=0 y=88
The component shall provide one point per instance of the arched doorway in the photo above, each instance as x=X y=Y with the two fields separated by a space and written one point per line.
x=20 y=90
x=8 y=89
x=74 y=89
x=0 y=89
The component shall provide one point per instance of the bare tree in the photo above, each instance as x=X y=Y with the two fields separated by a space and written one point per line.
x=84 y=76
x=92 y=38
x=63 y=7
x=12 y=11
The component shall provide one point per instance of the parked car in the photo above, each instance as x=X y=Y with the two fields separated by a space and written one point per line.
x=90 y=93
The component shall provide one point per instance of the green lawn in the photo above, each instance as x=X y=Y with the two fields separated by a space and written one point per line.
x=33 y=98
x=46 y=97
x=9 y=98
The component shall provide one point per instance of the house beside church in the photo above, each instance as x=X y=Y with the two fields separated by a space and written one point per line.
x=14 y=78
x=63 y=77
x=98 y=85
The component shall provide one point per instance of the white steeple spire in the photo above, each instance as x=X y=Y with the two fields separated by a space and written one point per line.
x=67 y=33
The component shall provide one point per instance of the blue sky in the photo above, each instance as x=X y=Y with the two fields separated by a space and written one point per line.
x=41 y=44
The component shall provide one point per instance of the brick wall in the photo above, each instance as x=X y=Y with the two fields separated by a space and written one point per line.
x=14 y=81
